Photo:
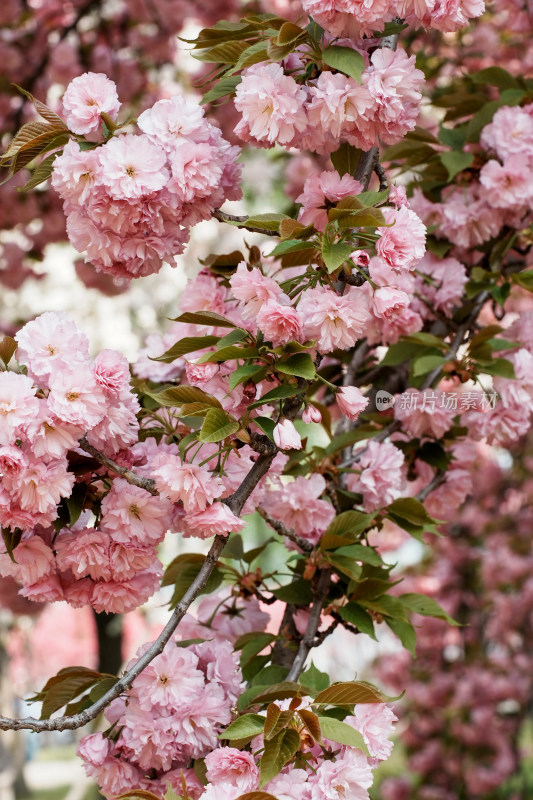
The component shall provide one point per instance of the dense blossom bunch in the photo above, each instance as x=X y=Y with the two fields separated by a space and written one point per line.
x=355 y=18
x=332 y=108
x=469 y=689
x=131 y=201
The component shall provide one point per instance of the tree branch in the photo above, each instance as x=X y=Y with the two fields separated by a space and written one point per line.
x=308 y=640
x=235 y=503
x=124 y=472
x=280 y=528
x=223 y=217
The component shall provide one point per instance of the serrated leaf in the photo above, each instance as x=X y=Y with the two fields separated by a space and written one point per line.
x=11 y=539
x=225 y=86
x=7 y=349
x=353 y=522
x=278 y=752
x=42 y=109
x=405 y=633
x=425 y=363
x=346 y=565
x=314 y=679
x=265 y=222
x=346 y=159
x=205 y=318
x=243 y=727
x=297 y=592
x=498 y=366
x=267 y=426
x=289 y=32
x=312 y=723
x=244 y=373
x=344 y=59
x=231 y=353
x=181 y=572
x=340 y=732
x=189 y=344
x=279 y=691
x=360 y=552
x=300 y=364
x=278 y=393
x=412 y=510
x=426 y=606
x=41 y=173
x=65 y=686
x=335 y=254
x=495 y=76
x=456 y=161
x=353 y=613
x=276 y=720
x=217 y=426
x=349 y=693
x=178 y=395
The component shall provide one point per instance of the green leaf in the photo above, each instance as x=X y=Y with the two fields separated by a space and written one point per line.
x=300 y=364
x=66 y=685
x=205 y=318
x=388 y=606
x=291 y=246
x=346 y=60
x=43 y=170
x=242 y=374
x=360 y=552
x=456 y=161
x=524 y=279
x=498 y=366
x=231 y=353
x=178 y=395
x=495 y=76
x=336 y=254
x=411 y=509
x=297 y=592
x=187 y=345
x=342 y=733
x=353 y=522
x=279 y=393
x=181 y=572
x=11 y=539
x=348 y=438
x=347 y=566
x=225 y=86
x=279 y=691
x=7 y=349
x=349 y=693
x=426 y=606
x=278 y=752
x=425 y=363
x=346 y=159
x=400 y=352
x=266 y=222
x=217 y=426
x=356 y=615
x=267 y=425
x=243 y=727
x=405 y=633
x=314 y=680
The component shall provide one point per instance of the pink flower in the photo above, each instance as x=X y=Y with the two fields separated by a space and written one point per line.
x=49 y=436
x=280 y=324
x=34 y=560
x=376 y=722
x=352 y=18
x=444 y=290
x=254 y=289
x=508 y=184
x=169 y=120
x=94 y=749
x=298 y=506
x=227 y=764
x=271 y=104
x=335 y=321
x=132 y=515
x=381 y=480
x=112 y=371
x=18 y=405
x=121 y=597
x=351 y=401
x=337 y=109
x=132 y=167
x=85 y=98
x=216 y=520
x=51 y=341
x=39 y=487
x=320 y=192
x=171 y=679
x=196 y=170
x=389 y=302
x=424 y=412
x=311 y=414
x=290 y=785
x=194 y=486
x=286 y=436
x=402 y=245
x=510 y=133
x=125 y=561
x=84 y=553
x=76 y=397
x=349 y=776
x=76 y=174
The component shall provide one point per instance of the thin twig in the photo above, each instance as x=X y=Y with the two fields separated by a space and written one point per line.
x=434 y=483
x=223 y=217
x=280 y=528
x=124 y=472
x=382 y=175
x=312 y=626
x=235 y=503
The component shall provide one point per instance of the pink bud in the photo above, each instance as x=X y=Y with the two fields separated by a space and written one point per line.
x=351 y=401
x=360 y=257
x=311 y=414
x=286 y=436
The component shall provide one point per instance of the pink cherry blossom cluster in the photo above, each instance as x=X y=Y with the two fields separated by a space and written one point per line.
x=131 y=201
x=357 y=18
x=332 y=108
x=470 y=687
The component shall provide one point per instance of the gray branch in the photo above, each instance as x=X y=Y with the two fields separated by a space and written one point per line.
x=313 y=624
x=124 y=472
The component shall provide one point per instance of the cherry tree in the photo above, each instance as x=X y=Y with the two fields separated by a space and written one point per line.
x=369 y=313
